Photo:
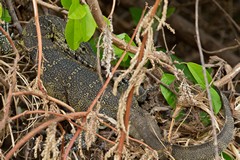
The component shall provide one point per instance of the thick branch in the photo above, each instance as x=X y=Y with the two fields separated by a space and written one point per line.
x=97 y=13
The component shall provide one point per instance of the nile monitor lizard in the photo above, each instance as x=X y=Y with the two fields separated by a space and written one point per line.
x=67 y=79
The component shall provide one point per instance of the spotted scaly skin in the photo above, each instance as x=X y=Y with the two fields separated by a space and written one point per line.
x=5 y=46
x=70 y=81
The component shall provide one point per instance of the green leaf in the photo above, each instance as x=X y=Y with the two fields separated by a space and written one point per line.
x=118 y=52
x=170 y=11
x=106 y=20
x=66 y=4
x=136 y=14
x=216 y=100
x=76 y=10
x=123 y=36
x=170 y=97
x=197 y=73
x=87 y=25
x=182 y=66
x=80 y=30
x=5 y=15
x=227 y=156
x=180 y=115
x=126 y=38
x=205 y=119
x=72 y=33
x=93 y=43
x=1 y=10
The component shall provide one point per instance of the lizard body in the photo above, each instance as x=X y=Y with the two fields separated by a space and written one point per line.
x=67 y=79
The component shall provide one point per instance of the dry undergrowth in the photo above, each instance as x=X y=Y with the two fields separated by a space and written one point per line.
x=55 y=132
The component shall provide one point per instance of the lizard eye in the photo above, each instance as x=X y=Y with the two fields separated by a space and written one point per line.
x=83 y=49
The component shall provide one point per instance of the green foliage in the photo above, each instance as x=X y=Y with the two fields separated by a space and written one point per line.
x=72 y=33
x=66 y=4
x=193 y=72
x=196 y=71
x=106 y=20
x=227 y=156
x=180 y=115
x=118 y=52
x=1 y=10
x=204 y=117
x=182 y=66
x=76 y=11
x=216 y=100
x=81 y=24
x=4 y=14
x=170 y=97
x=136 y=13
x=170 y=11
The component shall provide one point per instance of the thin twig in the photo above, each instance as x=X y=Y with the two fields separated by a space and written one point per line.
x=38 y=129
x=14 y=16
x=67 y=150
x=97 y=13
x=227 y=15
x=67 y=116
x=115 y=130
x=112 y=10
x=4 y=82
x=223 y=49
x=129 y=102
x=55 y=8
x=206 y=80
x=13 y=82
x=161 y=83
x=39 y=39
x=42 y=95
x=224 y=80
x=164 y=40
x=31 y=134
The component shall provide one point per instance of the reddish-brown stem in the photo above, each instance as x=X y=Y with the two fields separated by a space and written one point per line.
x=73 y=139
x=31 y=134
x=39 y=39
x=130 y=96
x=55 y=8
x=133 y=139
x=64 y=156
x=39 y=128
x=97 y=14
x=13 y=82
x=126 y=122
x=129 y=100
x=67 y=116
